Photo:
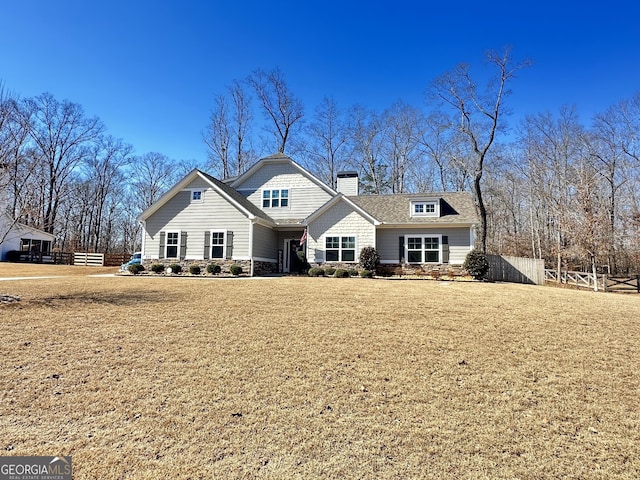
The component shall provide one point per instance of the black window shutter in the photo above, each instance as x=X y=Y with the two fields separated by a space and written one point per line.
x=207 y=245
x=183 y=245
x=445 y=249
x=162 y=236
x=229 y=244
x=401 y=250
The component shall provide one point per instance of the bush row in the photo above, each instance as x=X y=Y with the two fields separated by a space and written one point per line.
x=176 y=268
x=339 y=272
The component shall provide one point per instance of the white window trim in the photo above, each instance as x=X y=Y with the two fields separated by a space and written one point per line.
x=194 y=190
x=224 y=244
x=262 y=199
x=435 y=203
x=423 y=236
x=166 y=243
x=340 y=236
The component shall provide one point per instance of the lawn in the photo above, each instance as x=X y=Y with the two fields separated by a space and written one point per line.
x=147 y=378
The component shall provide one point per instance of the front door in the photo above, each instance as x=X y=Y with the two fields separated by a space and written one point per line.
x=290 y=261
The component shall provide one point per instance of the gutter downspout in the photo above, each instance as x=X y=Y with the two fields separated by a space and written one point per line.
x=143 y=223
x=253 y=221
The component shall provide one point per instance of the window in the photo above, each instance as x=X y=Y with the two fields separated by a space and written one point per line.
x=275 y=198
x=217 y=245
x=423 y=249
x=196 y=196
x=423 y=208
x=173 y=240
x=340 y=249
x=32 y=245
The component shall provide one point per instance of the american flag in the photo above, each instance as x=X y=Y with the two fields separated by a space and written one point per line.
x=304 y=237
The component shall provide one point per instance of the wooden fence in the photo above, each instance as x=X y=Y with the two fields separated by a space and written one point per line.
x=516 y=270
x=604 y=282
x=88 y=259
x=622 y=284
x=100 y=259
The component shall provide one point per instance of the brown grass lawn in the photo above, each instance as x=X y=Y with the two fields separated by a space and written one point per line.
x=149 y=378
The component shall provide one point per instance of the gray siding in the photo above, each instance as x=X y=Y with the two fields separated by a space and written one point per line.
x=214 y=213
x=340 y=220
x=305 y=196
x=388 y=245
x=265 y=243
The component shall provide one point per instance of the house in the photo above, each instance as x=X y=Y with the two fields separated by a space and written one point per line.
x=33 y=244
x=263 y=218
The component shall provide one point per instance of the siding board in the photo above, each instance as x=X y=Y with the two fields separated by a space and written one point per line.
x=305 y=196
x=459 y=239
x=213 y=213
x=339 y=220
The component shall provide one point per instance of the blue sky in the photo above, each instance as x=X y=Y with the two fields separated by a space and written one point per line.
x=150 y=69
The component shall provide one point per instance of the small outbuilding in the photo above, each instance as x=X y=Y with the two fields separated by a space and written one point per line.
x=31 y=243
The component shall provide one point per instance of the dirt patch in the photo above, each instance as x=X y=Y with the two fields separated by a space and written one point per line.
x=5 y=299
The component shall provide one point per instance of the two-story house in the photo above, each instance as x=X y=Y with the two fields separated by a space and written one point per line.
x=264 y=217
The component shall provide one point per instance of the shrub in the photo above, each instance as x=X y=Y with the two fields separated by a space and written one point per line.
x=341 y=273
x=476 y=264
x=316 y=272
x=194 y=269
x=369 y=258
x=366 y=273
x=329 y=271
x=14 y=255
x=157 y=268
x=302 y=264
x=136 y=268
x=353 y=272
x=175 y=268
x=235 y=269
x=213 y=268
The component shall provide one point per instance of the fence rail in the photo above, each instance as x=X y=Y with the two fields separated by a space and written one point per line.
x=623 y=284
x=593 y=281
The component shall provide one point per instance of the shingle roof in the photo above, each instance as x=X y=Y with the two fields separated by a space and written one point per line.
x=455 y=207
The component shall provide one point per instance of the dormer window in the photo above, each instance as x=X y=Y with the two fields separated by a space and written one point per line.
x=425 y=208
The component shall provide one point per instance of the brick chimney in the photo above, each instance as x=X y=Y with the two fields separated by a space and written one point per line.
x=348 y=183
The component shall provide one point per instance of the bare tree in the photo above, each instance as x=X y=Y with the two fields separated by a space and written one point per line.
x=404 y=127
x=278 y=102
x=366 y=139
x=228 y=133
x=326 y=147
x=16 y=158
x=217 y=136
x=61 y=133
x=242 y=122
x=480 y=115
x=151 y=175
x=104 y=166
x=607 y=145
x=554 y=150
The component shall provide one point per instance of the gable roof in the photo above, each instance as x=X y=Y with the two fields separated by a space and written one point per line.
x=395 y=209
x=348 y=200
x=280 y=158
x=11 y=227
x=231 y=195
